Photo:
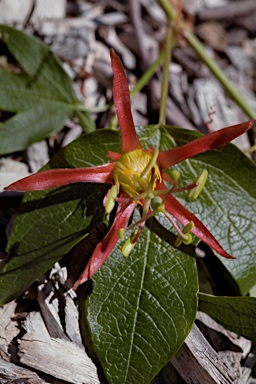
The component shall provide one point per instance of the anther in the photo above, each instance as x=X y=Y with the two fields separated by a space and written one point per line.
x=200 y=181
x=185 y=237
x=111 y=199
x=129 y=245
x=121 y=233
x=151 y=164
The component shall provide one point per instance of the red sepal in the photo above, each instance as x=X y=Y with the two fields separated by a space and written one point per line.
x=105 y=247
x=214 y=140
x=180 y=213
x=63 y=176
x=121 y=95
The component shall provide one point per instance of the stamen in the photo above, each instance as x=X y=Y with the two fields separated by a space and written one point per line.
x=143 y=184
x=129 y=245
x=111 y=199
x=175 y=225
x=138 y=232
x=142 y=191
x=185 y=236
x=182 y=189
x=150 y=164
x=200 y=181
x=121 y=233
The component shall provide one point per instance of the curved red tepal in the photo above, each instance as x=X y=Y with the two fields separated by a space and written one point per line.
x=121 y=95
x=205 y=143
x=62 y=176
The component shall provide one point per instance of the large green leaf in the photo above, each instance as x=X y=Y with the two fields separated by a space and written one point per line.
x=143 y=306
x=141 y=309
x=235 y=313
x=50 y=223
x=227 y=204
x=41 y=95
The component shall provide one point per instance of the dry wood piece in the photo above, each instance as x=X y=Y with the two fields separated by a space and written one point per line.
x=57 y=357
x=49 y=309
x=11 y=373
x=11 y=170
x=206 y=95
x=58 y=310
x=173 y=114
x=230 y=340
x=16 y=11
x=197 y=362
x=8 y=328
x=37 y=154
x=237 y=9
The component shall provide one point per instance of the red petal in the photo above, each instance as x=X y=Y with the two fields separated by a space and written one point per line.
x=121 y=95
x=104 y=248
x=180 y=213
x=212 y=141
x=63 y=176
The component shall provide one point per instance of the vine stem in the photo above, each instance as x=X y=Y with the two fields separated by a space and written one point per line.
x=208 y=61
x=165 y=79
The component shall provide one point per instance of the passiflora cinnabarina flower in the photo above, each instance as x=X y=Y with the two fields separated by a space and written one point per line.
x=136 y=177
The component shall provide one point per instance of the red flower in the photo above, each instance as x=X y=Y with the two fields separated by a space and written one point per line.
x=137 y=177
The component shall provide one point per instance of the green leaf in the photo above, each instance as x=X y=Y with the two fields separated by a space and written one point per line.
x=234 y=313
x=26 y=127
x=143 y=306
x=227 y=204
x=50 y=223
x=141 y=309
x=42 y=94
x=230 y=198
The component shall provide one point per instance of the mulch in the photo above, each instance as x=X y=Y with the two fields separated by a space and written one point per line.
x=40 y=332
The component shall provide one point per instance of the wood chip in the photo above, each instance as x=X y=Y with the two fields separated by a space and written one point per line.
x=38 y=155
x=197 y=362
x=49 y=306
x=17 y=11
x=8 y=328
x=57 y=357
x=207 y=94
x=11 y=373
x=58 y=308
x=241 y=342
x=11 y=171
x=238 y=8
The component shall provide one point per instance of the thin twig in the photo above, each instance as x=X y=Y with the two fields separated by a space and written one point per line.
x=208 y=61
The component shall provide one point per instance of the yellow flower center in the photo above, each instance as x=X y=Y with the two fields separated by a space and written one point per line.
x=133 y=171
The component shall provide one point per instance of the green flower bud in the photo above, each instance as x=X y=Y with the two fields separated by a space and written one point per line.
x=156 y=202
x=175 y=175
